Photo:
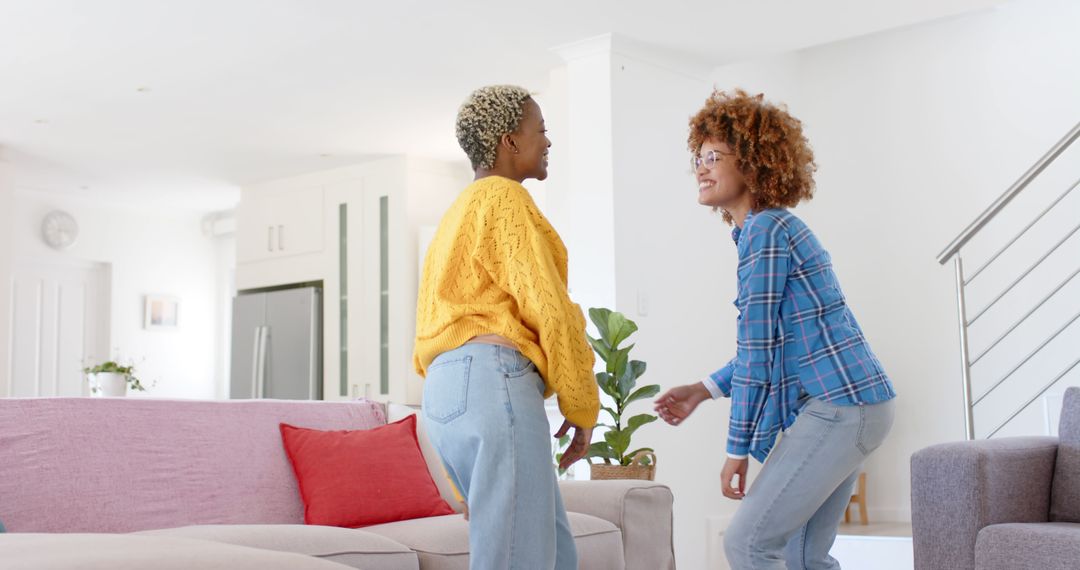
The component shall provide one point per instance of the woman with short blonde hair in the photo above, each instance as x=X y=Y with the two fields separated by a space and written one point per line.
x=496 y=334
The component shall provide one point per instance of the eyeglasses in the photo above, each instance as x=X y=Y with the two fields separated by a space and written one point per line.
x=709 y=160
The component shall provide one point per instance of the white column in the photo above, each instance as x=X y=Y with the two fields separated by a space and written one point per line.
x=623 y=197
x=580 y=188
x=6 y=235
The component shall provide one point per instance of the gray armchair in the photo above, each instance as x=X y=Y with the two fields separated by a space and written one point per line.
x=1000 y=504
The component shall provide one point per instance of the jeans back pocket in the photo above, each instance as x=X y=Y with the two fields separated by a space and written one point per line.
x=446 y=390
x=512 y=363
x=876 y=421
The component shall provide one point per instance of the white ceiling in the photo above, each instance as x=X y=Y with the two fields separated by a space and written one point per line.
x=238 y=91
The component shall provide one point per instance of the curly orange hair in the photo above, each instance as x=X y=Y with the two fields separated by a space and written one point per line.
x=771 y=151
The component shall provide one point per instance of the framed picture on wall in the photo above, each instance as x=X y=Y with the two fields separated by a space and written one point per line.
x=161 y=312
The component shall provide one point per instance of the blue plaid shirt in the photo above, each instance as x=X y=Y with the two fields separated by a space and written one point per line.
x=797 y=338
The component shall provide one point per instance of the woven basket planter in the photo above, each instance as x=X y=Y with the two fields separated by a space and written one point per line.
x=636 y=470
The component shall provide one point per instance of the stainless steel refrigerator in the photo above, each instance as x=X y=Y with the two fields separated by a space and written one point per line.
x=277 y=345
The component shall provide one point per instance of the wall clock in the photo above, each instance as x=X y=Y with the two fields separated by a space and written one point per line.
x=59 y=229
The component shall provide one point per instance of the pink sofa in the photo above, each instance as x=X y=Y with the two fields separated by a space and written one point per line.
x=119 y=483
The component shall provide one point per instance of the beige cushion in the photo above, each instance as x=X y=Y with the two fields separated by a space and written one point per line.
x=641 y=509
x=132 y=552
x=350 y=547
x=442 y=543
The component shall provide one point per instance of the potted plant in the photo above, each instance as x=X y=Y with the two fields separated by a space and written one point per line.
x=619 y=381
x=111 y=379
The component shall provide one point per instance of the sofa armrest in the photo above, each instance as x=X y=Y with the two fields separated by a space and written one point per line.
x=641 y=509
x=959 y=488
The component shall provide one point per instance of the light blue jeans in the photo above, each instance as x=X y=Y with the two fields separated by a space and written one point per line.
x=789 y=518
x=484 y=412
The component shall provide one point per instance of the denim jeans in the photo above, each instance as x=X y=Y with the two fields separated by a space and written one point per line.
x=484 y=412
x=789 y=518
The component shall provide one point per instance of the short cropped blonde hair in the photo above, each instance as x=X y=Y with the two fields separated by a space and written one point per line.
x=488 y=114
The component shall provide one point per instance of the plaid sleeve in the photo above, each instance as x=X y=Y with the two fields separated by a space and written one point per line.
x=721 y=379
x=764 y=270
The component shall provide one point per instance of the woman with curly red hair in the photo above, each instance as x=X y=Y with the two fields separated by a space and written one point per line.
x=802 y=365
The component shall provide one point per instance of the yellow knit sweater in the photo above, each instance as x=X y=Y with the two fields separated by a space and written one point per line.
x=496 y=266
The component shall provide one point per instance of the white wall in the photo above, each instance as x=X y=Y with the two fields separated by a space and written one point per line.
x=6 y=235
x=580 y=189
x=623 y=200
x=916 y=131
x=674 y=265
x=149 y=252
x=224 y=291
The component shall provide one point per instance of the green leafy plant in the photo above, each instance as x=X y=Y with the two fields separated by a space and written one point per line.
x=127 y=371
x=558 y=451
x=618 y=380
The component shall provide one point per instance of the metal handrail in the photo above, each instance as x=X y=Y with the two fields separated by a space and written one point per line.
x=1003 y=200
x=994 y=257
x=1027 y=358
x=1035 y=397
x=965 y=355
x=953 y=252
x=1023 y=275
x=1021 y=320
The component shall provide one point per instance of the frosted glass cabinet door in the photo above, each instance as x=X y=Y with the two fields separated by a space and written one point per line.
x=342 y=287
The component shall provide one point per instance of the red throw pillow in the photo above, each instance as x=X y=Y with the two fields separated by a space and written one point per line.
x=355 y=478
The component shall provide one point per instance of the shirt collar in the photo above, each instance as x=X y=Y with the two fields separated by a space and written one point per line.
x=737 y=232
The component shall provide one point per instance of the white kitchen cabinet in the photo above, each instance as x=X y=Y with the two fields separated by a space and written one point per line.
x=362 y=246
x=279 y=223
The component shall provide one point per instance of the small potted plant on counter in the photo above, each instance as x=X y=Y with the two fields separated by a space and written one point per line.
x=111 y=380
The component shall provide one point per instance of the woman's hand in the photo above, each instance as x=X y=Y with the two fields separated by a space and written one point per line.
x=579 y=444
x=678 y=403
x=733 y=467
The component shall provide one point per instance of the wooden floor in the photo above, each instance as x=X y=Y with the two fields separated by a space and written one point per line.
x=892 y=529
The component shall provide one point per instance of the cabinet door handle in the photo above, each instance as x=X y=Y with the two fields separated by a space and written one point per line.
x=256 y=363
x=260 y=379
x=269 y=238
x=281 y=238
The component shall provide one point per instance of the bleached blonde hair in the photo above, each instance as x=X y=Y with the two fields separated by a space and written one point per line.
x=488 y=114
